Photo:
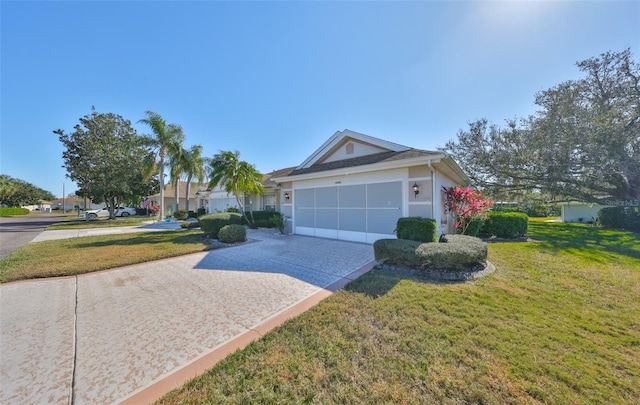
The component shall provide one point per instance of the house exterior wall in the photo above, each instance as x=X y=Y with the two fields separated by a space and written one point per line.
x=572 y=212
x=352 y=149
x=446 y=222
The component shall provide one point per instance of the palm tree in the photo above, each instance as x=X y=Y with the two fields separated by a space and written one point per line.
x=193 y=167
x=235 y=176
x=166 y=140
x=176 y=169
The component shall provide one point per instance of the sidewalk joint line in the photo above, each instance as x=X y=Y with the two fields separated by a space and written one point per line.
x=75 y=348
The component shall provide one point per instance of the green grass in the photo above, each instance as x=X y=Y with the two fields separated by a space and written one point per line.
x=557 y=323
x=92 y=253
x=80 y=223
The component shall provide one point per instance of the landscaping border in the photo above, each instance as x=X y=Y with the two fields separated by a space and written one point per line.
x=442 y=275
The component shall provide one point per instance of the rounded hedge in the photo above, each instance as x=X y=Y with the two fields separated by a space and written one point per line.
x=459 y=253
x=232 y=234
x=620 y=218
x=212 y=223
x=505 y=224
x=418 y=229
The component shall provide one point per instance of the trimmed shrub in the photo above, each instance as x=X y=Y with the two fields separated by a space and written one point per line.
x=232 y=234
x=181 y=215
x=461 y=252
x=212 y=223
x=417 y=229
x=189 y=224
x=201 y=212
x=5 y=212
x=192 y=214
x=505 y=224
x=620 y=218
x=261 y=219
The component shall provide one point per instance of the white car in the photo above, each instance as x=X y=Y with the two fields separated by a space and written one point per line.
x=104 y=212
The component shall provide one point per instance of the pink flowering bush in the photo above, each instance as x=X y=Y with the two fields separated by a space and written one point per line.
x=467 y=206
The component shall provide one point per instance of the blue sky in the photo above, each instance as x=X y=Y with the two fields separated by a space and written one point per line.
x=274 y=80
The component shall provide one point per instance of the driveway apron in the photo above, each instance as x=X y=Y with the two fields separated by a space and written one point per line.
x=98 y=338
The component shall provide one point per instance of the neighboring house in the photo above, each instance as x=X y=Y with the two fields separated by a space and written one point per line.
x=355 y=187
x=576 y=211
x=196 y=197
x=269 y=200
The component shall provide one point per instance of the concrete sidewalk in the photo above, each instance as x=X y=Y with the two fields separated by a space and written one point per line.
x=77 y=233
x=132 y=334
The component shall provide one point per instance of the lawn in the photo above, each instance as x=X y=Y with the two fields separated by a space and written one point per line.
x=558 y=323
x=92 y=253
x=75 y=222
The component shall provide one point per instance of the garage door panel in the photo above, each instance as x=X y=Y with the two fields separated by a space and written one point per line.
x=352 y=219
x=305 y=198
x=327 y=218
x=305 y=217
x=353 y=196
x=384 y=195
x=327 y=197
x=382 y=221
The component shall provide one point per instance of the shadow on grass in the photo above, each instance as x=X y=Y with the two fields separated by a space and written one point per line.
x=585 y=241
x=375 y=283
x=379 y=282
x=144 y=238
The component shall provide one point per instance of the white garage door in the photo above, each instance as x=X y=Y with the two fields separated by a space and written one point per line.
x=362 y=213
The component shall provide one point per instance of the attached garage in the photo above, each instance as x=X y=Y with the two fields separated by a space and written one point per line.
x=362 y=212
x=355 y=187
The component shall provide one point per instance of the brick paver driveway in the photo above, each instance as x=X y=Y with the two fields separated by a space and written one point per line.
x=98 y=338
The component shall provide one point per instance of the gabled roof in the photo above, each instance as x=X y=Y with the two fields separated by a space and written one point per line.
x=379 y=154
x=340 y=137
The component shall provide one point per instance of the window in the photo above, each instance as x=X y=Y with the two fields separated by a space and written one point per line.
x=269 y=202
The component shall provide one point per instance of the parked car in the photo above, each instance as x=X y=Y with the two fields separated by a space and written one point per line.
x=104 y=212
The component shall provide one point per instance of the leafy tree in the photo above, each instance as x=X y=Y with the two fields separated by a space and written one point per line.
x=16 y=192
x=166 y=140
x=234 y=176
x=105 y=157
x=582 y=144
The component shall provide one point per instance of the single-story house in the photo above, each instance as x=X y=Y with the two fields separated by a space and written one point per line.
x=355 y=187
x=577 y=211
x=198 y=196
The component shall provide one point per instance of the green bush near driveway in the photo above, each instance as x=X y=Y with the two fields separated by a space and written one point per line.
x=232 y=234
x=261 y=219
x=212 y=223
x=505 y=224
x=417 y=229
x=460 y=253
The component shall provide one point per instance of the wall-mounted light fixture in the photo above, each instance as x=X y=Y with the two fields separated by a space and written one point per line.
x=287 y=196
x=416 y=189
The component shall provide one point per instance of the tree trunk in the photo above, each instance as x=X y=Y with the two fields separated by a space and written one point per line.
x=186 y=194
x=177 y=196
x=161 y=184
